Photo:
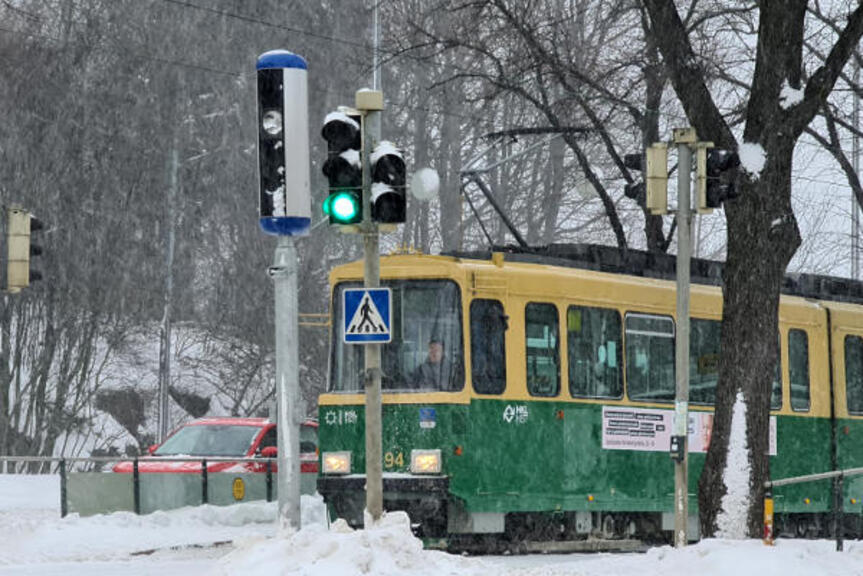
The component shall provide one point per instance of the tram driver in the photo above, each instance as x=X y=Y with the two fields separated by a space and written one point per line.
x=436 y=370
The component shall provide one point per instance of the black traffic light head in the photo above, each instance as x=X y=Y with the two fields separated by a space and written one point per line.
x=634 y=161
x=721 y=173
x=634 y=190
x=343 y=168
x=36 y=225
x=389 y=177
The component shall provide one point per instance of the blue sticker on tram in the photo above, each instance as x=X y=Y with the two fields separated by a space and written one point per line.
x=428 y=418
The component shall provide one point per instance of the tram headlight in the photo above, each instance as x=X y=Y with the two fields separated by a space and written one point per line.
x=425 y=461
x=336 y=462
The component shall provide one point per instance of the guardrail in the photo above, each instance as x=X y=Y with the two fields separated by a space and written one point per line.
x=838 y=501
x=63 y=463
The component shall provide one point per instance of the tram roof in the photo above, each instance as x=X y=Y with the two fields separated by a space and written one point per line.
x=662 y=266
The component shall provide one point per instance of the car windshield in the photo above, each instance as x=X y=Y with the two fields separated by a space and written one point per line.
x=209 y=440
x=425 y=353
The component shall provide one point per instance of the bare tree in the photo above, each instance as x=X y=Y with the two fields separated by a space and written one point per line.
x=762 y=229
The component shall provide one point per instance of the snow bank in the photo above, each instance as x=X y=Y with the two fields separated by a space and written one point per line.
x=752 y=557
x=122 y=533
x=388 y=549
x=33 y=535
x=36 y=542
x=30 y=492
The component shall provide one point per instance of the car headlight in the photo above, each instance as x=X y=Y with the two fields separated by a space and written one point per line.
x=336 y=462
x=425 y=461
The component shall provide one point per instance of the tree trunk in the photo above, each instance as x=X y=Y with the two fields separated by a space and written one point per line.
x=762 y=238
x=752 y=276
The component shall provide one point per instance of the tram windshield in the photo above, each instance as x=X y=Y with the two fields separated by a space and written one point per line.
x=426 y=351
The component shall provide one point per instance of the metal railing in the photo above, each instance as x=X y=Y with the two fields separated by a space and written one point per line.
x=63 y=462
x=838 y=501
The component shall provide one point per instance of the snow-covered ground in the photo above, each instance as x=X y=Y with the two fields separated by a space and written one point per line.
x=244 y=539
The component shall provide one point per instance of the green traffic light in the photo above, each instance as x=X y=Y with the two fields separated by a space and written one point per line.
x=344 y=207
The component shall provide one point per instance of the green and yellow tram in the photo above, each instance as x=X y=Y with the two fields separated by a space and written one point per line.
x=528 y=394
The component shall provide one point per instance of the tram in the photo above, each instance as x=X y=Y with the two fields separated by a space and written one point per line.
x=530 y=392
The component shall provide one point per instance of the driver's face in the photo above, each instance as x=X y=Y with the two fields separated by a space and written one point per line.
x=435 y=352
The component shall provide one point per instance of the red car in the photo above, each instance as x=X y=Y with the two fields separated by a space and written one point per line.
x=225 y=438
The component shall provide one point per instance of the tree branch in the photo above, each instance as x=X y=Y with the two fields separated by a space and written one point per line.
x=687 y=79
x=821 y=83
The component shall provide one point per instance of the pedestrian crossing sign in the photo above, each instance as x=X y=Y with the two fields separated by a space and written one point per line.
x=366 y=315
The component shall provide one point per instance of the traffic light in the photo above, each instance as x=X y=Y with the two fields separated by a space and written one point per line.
x=343 y=168
x=388 y=184
x=653 y=191
x=283 y=144
x=20 y=249
x=715 y=169
x=657 y=178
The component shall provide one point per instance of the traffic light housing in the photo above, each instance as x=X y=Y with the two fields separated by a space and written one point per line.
x=716 y=174
x=283 y=144
x=20 y=249
x=343 y=168
x=657 y=178
x=634 y=190
x=389 y=177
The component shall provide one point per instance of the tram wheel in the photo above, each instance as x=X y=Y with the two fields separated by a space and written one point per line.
x=608 y=528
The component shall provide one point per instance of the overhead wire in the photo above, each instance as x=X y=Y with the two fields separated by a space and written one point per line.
x=195 y=66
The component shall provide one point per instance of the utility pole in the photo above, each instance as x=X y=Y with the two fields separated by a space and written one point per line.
x=684 y=138
x=284 y=275
x=855 y=209
x=370 y=103
x=165 y=350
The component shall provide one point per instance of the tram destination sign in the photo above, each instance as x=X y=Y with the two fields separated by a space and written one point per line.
x=367 y=317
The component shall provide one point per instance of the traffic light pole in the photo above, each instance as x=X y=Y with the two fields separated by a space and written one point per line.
x=284 y=275
x=371 y=104
x=684 y=138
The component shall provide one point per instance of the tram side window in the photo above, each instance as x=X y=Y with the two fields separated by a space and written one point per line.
x=703 y=360
x=798 y=369
x=650 y=358
x=593 y=344
x=776 y=392
x=542 y=353
x=854 y=374
x=487 y=346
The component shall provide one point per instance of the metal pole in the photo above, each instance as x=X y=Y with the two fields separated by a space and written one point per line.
x=269 y=480
x=681 y=350
x=376 y=57
x=838 y=514
x=165 y=345
x=372 y=279
x=284 y=274
x=64 y=501
x=855 y=209
x=205 y=490
x=136 y=487
x=490 y=197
